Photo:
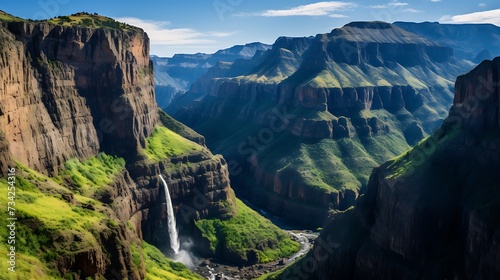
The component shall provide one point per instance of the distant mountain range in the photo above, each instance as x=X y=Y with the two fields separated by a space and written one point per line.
x=340 y=104
x=473 y=42
x=174 y=75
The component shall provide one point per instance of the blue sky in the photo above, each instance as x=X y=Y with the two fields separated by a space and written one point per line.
x=191 y=26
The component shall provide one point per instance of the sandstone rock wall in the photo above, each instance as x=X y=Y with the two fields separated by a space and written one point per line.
x=72 y=91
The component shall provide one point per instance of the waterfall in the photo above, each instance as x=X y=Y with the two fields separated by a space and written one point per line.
x=172 y=225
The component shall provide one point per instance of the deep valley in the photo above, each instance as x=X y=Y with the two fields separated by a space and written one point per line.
x=366 y=152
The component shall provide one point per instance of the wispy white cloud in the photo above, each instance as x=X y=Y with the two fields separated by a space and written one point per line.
x=378 y=6
x=411 y=10
x=482 y=5
x=160 y=34
x=491 y=16
x=435 y=0
x=325 y=8
x=221 y=34
x=397 y=4
x=391 y=4
x=338 y=16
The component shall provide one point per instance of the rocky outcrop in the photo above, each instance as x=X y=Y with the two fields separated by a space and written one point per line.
x=72 y=91
x=430 y=213
x=5 y=155
x=105 y=260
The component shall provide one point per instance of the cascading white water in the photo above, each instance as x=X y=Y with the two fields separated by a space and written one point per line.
x=172 y=225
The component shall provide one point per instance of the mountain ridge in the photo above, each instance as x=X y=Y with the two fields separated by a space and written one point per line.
x=175 y=75
x=468 y=41
x=345 y=100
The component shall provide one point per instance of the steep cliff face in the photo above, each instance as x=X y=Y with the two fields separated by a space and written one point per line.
x=430 y=213
x=72 y=91
x=476 y=96
x=323 y=110
x=199 y=187
x=69 y=93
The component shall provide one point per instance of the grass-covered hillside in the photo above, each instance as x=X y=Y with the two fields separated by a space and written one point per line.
x=44 y=217
x=8 y=17
x=329 y=164
x=83 y=19
x=58 y=221
x=158 y=267
x=247 y=238
x=165 y=143
x=90 y=20
x=91 y=176
x=180 y=128
x=334 y=164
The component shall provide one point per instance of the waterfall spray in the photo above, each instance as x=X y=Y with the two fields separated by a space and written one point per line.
x=172 y=225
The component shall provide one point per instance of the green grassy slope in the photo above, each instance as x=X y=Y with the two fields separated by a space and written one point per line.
x=51 y=228
x=329 y=164
x=165 y=143
x=93 y=175
x=158 y=267
x=179 y=127
x=82 y=19
x=44 y=217
x=8 y=17
x=247 y=232
x=91 y=21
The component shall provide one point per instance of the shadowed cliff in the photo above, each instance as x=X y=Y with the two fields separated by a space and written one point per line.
x=430 y=213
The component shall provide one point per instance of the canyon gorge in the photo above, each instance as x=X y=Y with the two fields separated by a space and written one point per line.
x=368 y=152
